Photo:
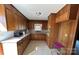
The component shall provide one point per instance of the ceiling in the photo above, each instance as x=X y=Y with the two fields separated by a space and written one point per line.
x=38 y=11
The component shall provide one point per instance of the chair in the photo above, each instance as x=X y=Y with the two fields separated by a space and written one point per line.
x=57 y=47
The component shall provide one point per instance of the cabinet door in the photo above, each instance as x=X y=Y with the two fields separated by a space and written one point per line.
x=1 y=49
x=38 y=36
x=22 y=44
x=20 y=47
x=52 y=30
x=63 y=14
x=17 y=22
x=20 y=22
x=34 y=36
x=10 y=20
x=24 y=21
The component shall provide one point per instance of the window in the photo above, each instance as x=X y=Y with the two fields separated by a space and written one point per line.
x=37 y=27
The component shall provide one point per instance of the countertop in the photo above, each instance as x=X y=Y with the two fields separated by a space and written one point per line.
x=39 y=32
x=14 y=39
x=11 y=39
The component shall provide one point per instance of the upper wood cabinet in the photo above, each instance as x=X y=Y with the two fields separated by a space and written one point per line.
x=17 y=21
x=68 y=12
x=11 y=18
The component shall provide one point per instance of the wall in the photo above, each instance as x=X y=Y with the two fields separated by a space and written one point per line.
x=38 y=35
x=43 y=22
x=2 y=19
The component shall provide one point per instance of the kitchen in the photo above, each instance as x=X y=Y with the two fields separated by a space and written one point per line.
x=17 y=31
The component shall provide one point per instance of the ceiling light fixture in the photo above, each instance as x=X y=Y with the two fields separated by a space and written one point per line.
x=38 y=13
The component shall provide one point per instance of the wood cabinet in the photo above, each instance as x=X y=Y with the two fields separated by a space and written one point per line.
x=62 y=27
x=68 y=12
x=12 y=19
x=43 y=22
x=22 y=44
x=66 y=35
x=38 y=36
x=1 y=49
x=73 y=34
x=52 y=30
x=16 y=21
x=67 y=20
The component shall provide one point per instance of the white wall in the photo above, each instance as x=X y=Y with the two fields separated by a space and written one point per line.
x=2 y=28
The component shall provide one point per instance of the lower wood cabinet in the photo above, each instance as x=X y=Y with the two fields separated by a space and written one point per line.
x=38 y=36
x=22 y=44
x=1 y=49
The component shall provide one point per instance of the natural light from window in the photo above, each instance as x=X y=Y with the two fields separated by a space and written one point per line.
x=38 y=27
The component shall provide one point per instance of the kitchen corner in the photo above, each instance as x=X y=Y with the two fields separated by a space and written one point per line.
x=10 y=43
x=16 y=45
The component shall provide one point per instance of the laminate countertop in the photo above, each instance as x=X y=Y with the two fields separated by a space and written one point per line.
x=14 y=39
x=39 y=32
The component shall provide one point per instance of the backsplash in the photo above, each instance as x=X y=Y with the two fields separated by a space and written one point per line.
x=6 y=35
